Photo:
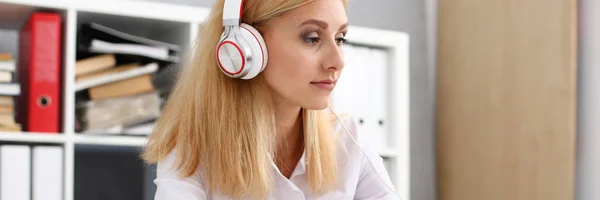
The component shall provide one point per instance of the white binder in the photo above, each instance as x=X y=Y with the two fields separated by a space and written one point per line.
x=362 y=89
x=379 y=98
x=342 y=96
x=15 y=172
x=354 y=93
x=47 y=173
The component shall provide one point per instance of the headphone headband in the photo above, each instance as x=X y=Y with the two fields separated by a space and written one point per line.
x=232 y=12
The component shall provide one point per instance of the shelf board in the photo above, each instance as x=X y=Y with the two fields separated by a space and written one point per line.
x=110 y=140
x=32 y=137
x=389 y=153
x=142 y=9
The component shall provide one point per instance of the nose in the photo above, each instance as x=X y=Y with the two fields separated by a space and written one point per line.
x=334 y=58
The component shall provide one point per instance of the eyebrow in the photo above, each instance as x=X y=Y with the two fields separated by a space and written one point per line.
x=321 y=24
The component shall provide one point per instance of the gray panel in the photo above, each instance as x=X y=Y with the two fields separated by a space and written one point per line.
x=588 y=137
x=9 y=42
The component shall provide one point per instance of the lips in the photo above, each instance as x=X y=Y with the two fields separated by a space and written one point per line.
x=324 y=84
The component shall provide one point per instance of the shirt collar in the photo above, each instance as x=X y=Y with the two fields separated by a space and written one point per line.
x=300 y=167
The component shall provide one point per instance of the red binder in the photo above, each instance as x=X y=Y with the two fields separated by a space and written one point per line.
x=39 y=72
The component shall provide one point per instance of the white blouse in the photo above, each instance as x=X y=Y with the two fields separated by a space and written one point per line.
x=358 y=179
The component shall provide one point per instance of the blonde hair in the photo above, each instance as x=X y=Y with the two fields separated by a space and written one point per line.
x=226 y=127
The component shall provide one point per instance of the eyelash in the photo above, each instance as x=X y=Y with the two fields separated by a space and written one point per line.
x=310 y=40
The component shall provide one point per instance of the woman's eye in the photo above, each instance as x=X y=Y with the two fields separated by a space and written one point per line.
x=312 y=40
x=340 y=40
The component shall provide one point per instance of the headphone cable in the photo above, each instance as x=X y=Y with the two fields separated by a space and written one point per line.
x=364 y=154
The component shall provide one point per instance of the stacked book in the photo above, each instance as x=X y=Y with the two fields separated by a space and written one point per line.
x=115 y=80
x=9 y=90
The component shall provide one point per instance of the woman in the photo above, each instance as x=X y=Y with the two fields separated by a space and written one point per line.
x=228 y=131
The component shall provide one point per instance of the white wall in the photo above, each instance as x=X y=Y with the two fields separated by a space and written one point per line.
x=588 y=147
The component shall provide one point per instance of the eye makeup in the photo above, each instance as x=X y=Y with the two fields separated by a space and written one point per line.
x=311 y=36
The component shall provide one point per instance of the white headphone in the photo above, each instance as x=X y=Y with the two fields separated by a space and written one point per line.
x=241 y=51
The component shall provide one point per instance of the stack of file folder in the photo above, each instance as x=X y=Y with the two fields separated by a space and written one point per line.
x=116 y=80
x=9 y=89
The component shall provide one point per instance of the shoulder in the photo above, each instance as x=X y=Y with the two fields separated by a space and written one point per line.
x=347 y=128
x=169 y=168
x=353 y=136
x=371 y=175
x=344 y=120
x=353 y=139
x=172 y=185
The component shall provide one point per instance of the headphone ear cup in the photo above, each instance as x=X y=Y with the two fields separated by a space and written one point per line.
x=258 y=47
x=231 y=58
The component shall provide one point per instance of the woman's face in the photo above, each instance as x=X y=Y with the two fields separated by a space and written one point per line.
x=305 y=53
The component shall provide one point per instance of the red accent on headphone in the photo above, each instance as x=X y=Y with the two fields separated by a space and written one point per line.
x=262 y=65
x=241 y=6
x=241 y=54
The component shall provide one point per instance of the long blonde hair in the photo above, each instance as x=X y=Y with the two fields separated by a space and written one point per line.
x=226 y=127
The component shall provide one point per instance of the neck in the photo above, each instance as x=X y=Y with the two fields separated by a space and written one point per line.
x=289 y=123
x=290 y=144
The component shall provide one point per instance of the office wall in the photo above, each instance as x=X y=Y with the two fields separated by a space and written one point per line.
x=507 y=94
x=408 y=16
x=588 y=147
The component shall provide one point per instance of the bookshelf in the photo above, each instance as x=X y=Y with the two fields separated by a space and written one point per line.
x=32 y=137
x=179 y=25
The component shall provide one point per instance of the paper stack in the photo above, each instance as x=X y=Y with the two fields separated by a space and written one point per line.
x=114 y=80
x=9 y=89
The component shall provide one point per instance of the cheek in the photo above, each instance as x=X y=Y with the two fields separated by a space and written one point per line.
x=292 y=65
x=289 y=73
x=290 y=69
